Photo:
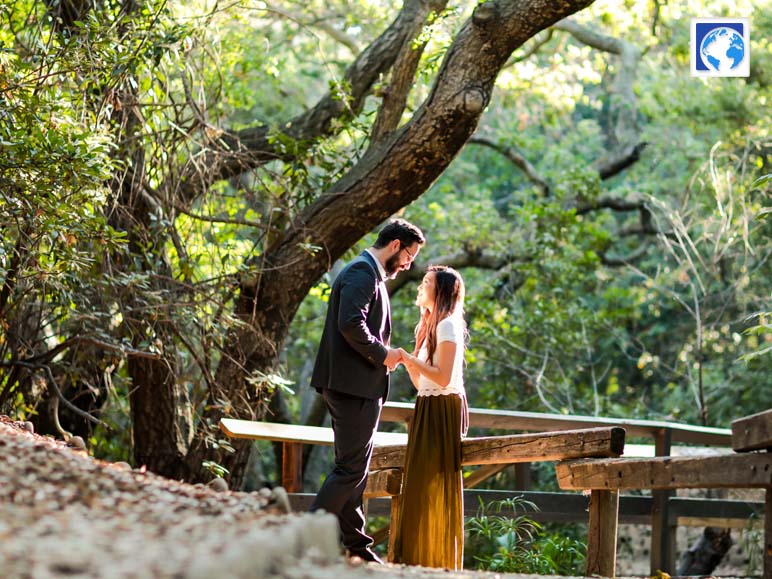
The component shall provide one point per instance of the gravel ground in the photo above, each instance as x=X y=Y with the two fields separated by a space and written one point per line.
x=64 y=514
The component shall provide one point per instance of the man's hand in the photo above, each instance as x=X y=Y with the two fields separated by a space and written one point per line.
x=393 y=358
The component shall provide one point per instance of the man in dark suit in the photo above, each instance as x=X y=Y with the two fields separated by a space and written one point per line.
x=352 y=373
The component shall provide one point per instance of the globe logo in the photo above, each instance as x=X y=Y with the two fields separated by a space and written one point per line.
x=722 y=50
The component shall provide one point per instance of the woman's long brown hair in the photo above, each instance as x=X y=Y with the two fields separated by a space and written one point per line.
x=448 y=300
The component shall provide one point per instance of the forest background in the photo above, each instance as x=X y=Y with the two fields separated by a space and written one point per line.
x=181 y=181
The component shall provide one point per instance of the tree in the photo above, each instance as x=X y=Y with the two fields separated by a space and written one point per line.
x=395 y=170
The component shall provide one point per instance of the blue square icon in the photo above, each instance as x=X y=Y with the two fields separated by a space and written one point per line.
x=720 y=47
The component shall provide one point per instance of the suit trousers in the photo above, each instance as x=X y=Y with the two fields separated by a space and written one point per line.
x=354 y=422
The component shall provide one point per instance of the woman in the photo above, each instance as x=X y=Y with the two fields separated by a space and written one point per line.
x=430 y=531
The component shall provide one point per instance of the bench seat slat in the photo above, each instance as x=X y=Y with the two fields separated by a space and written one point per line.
x=295 y=433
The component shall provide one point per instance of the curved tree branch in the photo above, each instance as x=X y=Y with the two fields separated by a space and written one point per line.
x=533 y=49
x=624 y=132
x=517 y=159
x=54 y=387
x=623 y=261
x=610 y=203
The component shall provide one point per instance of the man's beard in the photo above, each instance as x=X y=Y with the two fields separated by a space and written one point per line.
x=391 y=267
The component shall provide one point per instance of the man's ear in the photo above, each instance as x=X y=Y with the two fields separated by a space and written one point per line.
x=395 y=246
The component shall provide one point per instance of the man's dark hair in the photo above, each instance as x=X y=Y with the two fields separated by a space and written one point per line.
x=406 y=232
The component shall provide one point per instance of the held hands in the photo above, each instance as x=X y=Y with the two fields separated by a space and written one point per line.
x=393 y=359
x=410 y=361
x=397 y=356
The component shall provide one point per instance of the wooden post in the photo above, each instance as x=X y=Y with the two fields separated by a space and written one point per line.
x=602 y=535
x=393 y=524
x=767 y=573
x=292 y=467
x=663 y=533
x=522 y=476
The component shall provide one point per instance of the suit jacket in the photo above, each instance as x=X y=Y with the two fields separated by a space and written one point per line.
x=356 y=333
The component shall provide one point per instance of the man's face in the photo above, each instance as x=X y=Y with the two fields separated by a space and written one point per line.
x=401 y=259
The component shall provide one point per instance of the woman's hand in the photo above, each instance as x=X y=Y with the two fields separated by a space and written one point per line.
x=411 y=365
x=410 y=361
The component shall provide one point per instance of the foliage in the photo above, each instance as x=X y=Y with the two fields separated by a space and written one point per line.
x=517 y=544
x=55 y=157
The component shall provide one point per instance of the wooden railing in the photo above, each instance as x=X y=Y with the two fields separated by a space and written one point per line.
x=538 y=422
x=606 y=477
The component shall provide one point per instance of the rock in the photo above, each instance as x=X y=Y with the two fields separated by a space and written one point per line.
x=281 y=500
x=76 y=442
x=218 y=484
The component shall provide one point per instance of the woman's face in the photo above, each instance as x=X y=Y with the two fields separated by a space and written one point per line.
x=427 y=291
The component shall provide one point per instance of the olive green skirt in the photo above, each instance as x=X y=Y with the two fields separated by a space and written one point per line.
x=430 y=529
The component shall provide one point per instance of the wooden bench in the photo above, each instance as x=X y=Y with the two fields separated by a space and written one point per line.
x=606 y=477
x=293 y=437
x=491 y=453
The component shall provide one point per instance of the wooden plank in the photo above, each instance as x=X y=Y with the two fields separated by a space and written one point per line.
x=725 y=471
x=663 y=529
x=602 y=533
x=546 y=446
x=694 y=512
x=566 y=507
x=540 y=422
x=739 y=524
x=767 y=569
x=292 y=467
x=482 y=474
x=753 y=432
x=522 y=476
x=296 y=432
x=384 y=483
x=388 y=457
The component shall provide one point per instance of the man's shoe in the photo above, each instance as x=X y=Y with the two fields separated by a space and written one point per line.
x=366 y=555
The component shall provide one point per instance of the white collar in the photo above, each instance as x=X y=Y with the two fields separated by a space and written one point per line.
x=378 y=264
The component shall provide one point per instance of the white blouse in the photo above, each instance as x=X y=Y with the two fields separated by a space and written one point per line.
x=451 y=329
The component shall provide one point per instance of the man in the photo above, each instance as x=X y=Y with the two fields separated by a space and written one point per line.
x=352 y=373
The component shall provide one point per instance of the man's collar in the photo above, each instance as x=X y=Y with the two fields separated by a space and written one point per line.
x=378 y=264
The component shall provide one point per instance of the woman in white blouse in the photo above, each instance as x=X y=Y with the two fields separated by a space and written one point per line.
x=431 y=523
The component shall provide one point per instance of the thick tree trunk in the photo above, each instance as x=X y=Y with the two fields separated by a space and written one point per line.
x=393 y=173
x=161 y=420
x=160 y=407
